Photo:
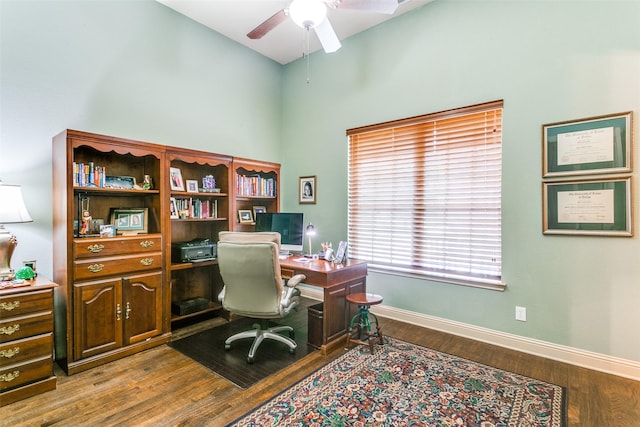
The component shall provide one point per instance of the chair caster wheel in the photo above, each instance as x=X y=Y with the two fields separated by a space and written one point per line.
x=249 y=360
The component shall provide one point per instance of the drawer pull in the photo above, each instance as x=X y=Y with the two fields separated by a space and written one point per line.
x=8 y=306
x=9 y=376
x=98 y=247
x=95 y=268
x=146 y=243
x=9 y=352
x=9 y=330
x=146 y=261
x=118 y=312
x=127 y=310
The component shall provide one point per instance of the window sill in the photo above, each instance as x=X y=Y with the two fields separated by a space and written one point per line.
x=500 y=287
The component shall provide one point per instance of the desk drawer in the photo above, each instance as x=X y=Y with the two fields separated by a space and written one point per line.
x=99 y=267
x=18 y=351
x=25 y=303
x=25 y=326
x=90 y=248
x=22 y=373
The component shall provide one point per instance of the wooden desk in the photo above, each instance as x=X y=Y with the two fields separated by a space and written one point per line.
x=338 y=281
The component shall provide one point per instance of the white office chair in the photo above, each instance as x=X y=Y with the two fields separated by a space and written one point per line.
x=253 y=285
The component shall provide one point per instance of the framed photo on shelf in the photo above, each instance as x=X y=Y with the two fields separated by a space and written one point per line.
x=257 y=210
x=596 y=208
x=192 y=186
x=175 y=176
x=130 y=220
x=245 y=216
x=307 y=189
x=595 y=145
x=173 y=205
x=120 y=182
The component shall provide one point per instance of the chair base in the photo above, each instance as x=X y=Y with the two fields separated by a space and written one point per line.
x=260 y=333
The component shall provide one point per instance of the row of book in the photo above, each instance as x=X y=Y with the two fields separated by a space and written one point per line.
x=255 y=186
x=193 y=208
x=89 y=175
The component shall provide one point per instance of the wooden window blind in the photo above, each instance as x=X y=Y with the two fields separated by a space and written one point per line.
x=425 y=195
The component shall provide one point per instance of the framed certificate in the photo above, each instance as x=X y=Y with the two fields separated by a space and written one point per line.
x=594 y=145
x=597 y=208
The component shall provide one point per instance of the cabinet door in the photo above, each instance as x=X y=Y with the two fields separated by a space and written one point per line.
x=142 y=306
x=98 y=314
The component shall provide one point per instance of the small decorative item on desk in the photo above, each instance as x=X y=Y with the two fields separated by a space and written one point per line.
x=25 y=273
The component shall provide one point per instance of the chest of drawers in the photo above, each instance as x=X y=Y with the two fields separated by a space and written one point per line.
x=26 y=340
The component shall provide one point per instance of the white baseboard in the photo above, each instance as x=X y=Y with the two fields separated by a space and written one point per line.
x=574 y=356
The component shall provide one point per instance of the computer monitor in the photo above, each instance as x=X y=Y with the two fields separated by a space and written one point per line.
x=289 y=225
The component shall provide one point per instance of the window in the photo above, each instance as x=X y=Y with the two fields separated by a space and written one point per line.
x=425 y=195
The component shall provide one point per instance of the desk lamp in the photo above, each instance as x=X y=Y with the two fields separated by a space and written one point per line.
x=311 y=231
x=12 y=210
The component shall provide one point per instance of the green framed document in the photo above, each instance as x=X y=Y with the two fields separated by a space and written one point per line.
x=594 y=145
x=596 y=208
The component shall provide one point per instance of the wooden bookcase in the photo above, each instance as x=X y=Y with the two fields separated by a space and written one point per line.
x=116 y=293
x=197 y=216
x=255 y=183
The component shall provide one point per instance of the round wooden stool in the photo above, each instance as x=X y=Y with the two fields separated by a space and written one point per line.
x=364 y=319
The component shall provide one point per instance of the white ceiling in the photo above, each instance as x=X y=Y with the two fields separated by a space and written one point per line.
x=235 y=18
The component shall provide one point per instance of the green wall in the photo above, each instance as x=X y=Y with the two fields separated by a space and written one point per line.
x=136 y=69
x=549 y=61
x=133 y=69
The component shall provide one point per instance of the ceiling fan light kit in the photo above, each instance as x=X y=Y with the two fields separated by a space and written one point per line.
x=307 y=13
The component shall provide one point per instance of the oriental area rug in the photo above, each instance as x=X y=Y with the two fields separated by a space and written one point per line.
x=404 y=384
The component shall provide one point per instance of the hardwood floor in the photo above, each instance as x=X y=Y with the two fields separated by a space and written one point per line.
x=161 y=387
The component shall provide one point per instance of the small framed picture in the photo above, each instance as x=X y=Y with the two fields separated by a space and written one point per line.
x=130 y=221
x=307 y=189
x=257 y=210
x=192 y=186
x=175 y=176
x=341 y=252
x=245 y=216
x=107 y=230
x=31 y=264
x=173 y=205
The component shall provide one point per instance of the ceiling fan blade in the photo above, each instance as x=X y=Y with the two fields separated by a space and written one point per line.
x=326 y=35
x=377 y=6
x=268 y=25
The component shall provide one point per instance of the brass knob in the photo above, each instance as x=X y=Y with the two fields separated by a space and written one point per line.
x=9 y=376
x=9 y=330
x=146 y=261
x=146 y=243
x=95 y=248
x=9 y=305
x=9 y=352
x=95 y=268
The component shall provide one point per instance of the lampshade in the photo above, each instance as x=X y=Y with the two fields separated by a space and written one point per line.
x=307 y=13
x=12 y=207
x=12 y=210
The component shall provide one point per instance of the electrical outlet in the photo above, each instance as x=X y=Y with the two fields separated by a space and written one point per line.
x=521 y=313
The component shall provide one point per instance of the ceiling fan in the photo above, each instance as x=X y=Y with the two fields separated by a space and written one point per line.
x=313 y=14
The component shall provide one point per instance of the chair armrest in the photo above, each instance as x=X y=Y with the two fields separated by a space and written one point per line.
x=293 y=282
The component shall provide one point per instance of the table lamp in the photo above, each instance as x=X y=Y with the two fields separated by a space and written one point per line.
x=311 y=231
x=12 y=210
